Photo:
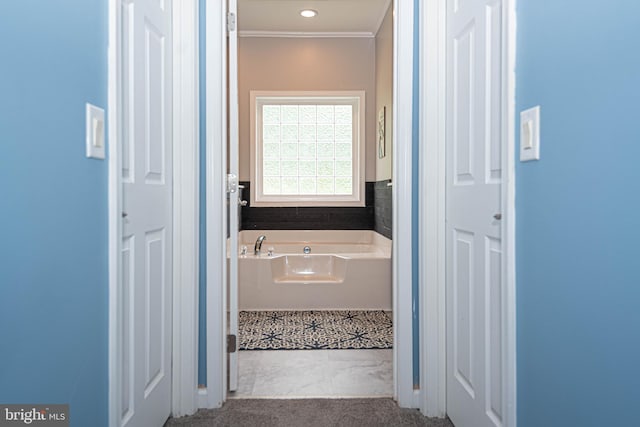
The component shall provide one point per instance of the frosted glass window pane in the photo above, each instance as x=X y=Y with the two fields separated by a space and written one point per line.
x=325 y=133
x=343 y=167
x=271 y=114
x=289 y=132
x=344 y=114
x=308 y=114
x=289 y=185
x=271 y=151
x=343 y=151
x=307 y=168
x=325 y=167
x=271 y=133
x=343 y=185
x=290 y=114
x=289 y=168
x=325 y=114
x=271 y=185
x=343 y=133
x=307 y=186
x=325 y=185
x=307 y=150
x=307 y=132
x=289 y=151
x=271 y=168
x=325 y=149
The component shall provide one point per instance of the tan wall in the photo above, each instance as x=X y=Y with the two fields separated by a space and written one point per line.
x=384 y=92
x=296 y=64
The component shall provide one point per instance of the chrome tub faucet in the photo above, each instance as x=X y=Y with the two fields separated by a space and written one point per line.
x=258 y=246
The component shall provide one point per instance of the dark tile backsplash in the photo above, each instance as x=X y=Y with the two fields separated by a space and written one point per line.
x=383 y=204
x=309 y=218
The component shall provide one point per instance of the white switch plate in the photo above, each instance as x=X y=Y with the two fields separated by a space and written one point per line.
x=95 y=131
x=530 y=134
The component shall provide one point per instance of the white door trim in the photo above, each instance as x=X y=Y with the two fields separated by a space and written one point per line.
x=432 y=218
x=114 y=212
x=509 y=214
x=402 y=202
x=432 y=209
x=186 y=196
x=216 y=125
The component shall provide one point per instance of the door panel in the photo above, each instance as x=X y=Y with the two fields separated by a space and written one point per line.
x=493 y=334
x=154 y=105
x=463 y=273
x=128 y=96
x=463 y=97
x=146 y=282
x=474 y=185
x=155 y=318
x=493 y=90
x=128 y=273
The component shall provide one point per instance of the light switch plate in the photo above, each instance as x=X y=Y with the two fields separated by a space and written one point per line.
x=95 y=131
x=530 y=134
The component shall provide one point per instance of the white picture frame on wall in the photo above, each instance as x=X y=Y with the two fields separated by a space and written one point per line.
x=382 y=149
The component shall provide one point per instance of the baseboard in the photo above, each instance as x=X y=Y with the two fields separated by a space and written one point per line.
x=201 y=398
x=417 y=398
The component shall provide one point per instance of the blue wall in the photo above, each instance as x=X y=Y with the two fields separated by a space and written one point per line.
x=53 y=208
x=578 y=220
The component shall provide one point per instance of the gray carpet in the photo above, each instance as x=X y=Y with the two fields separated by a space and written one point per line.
x=308 y=413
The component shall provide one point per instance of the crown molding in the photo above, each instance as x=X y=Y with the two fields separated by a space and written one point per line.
x=305 y=34
x=381 y=18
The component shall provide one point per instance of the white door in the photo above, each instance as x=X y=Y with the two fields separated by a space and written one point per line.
x=473 y=185
x=233 y=194
x=147 y=212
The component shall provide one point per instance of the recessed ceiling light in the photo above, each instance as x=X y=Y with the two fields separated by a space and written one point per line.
x=308 y=13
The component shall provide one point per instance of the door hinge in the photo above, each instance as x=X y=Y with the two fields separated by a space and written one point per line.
x=231 y=22
x=231 y=343
x=232 y=183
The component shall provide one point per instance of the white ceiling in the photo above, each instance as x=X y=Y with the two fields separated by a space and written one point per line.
x=334 y=16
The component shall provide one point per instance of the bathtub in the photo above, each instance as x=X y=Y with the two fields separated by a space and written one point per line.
x=345 y=270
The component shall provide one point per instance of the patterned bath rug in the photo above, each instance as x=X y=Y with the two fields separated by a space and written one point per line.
x=315 y=330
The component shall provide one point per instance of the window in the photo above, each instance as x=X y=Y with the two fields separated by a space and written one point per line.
x=307 y=149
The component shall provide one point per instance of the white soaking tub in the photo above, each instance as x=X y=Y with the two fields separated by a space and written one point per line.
x=345 y=270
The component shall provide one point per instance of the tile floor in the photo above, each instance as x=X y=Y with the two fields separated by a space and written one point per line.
x=315 y=373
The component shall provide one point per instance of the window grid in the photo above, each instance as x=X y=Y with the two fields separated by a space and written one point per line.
x=307 y=149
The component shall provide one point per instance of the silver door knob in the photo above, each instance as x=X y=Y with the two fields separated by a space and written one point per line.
x=497 y=216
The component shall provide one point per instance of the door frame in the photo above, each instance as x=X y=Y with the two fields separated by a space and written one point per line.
x=185 y=208
x=403 y=56
x=216 y=65
x=432 y=209
x=214 y=395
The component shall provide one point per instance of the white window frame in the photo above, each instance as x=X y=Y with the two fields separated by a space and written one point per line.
x=357 y=99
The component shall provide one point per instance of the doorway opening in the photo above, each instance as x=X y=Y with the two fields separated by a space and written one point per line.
x=217 y=131
x=314 y=278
